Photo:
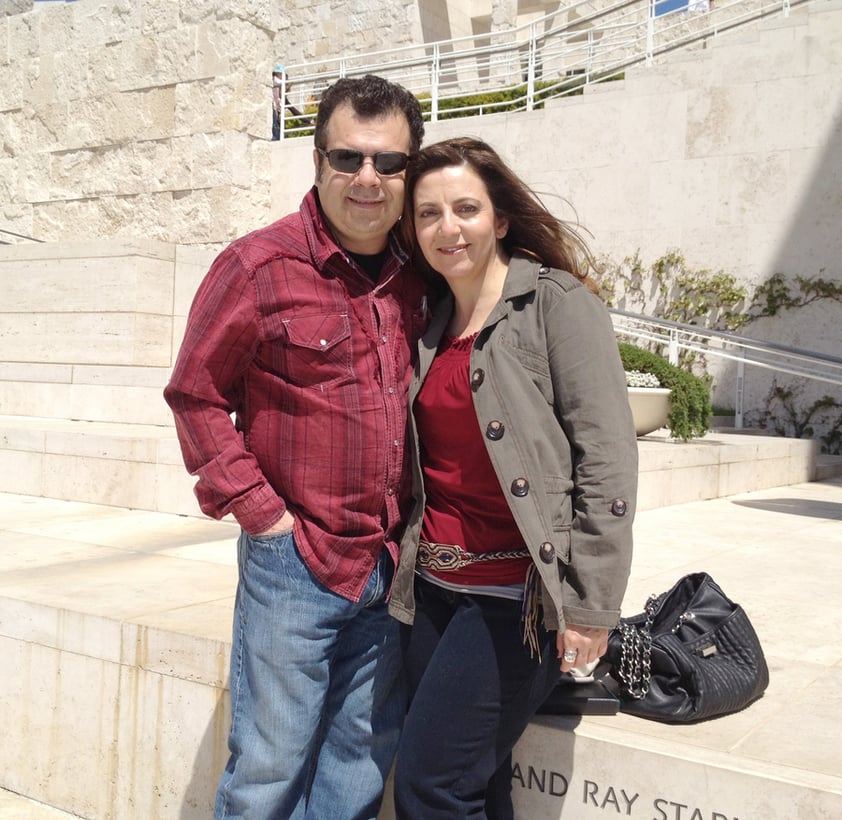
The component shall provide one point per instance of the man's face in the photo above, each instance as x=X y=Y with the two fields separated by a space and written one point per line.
x=362 y=207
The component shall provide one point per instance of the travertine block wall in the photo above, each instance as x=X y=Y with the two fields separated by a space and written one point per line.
x=150 y=119
x=731 y=154
x=142 y=119
x=89 y=330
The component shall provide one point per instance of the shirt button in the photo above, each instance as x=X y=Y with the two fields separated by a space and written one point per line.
x=546 y=552
x=396 y=443
x=390 y=390
x=619 y=507
x=384 y=339
x=495 y=430
x=477 y=378
x=520 y=487
x=390 y=491
x=322 y=342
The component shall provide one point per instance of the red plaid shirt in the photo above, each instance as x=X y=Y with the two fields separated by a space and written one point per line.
x=287 y=333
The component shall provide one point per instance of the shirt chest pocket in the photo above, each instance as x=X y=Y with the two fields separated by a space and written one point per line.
x=312 y=351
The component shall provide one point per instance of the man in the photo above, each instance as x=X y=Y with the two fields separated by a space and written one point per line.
x=303 y=330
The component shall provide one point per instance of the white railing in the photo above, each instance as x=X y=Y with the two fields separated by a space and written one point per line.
x=548 y=58
x=676 y=337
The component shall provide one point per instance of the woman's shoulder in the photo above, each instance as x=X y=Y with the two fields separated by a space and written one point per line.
x=526 y=272
x=557 y=278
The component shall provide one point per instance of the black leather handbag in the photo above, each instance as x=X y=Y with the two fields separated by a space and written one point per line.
x=691 y=655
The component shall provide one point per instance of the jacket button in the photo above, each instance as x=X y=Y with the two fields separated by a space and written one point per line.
x=477 y=378
x=546 y=552
x=495 y=430
x=520 y=487
x=619 y=507
x=543 y=269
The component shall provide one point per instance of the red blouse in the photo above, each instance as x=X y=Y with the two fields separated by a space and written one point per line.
x=465 y=504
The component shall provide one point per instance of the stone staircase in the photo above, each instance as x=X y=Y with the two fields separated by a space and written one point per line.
x=82 y=416
x=82 y=371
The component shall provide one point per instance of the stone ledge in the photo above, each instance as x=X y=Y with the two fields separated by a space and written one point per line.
x=718 y=465
x=115 y=625
x=80 y=461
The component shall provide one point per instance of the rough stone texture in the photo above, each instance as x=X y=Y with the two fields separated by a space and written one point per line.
x=8 y=7
x=126 y=119
x=152 y=118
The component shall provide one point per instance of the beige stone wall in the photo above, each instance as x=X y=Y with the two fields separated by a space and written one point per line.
x=151 y=118
x=135 y=119
x=731 y=154
x=318 y=29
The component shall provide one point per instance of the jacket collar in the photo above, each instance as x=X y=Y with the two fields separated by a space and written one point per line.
x=522 y=276
x=521 y=279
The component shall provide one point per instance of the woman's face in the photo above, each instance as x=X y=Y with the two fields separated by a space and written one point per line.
x=455 y=224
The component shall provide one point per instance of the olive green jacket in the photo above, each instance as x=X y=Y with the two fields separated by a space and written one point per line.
x=550 y=395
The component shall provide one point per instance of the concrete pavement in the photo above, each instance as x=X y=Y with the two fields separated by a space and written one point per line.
x=115 y=627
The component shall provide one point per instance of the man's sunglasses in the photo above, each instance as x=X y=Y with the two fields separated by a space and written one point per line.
x=346 y=161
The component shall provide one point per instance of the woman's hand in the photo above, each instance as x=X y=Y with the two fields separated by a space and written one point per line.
x=589 y=644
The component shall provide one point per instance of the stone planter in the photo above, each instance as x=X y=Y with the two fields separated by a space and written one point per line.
x=650 y=407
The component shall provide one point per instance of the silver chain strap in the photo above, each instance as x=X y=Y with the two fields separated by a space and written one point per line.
x=636 y=653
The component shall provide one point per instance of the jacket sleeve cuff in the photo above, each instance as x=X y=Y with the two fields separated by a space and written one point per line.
x=596 y=619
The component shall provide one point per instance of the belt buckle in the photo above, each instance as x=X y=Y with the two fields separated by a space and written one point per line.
x=441 y=556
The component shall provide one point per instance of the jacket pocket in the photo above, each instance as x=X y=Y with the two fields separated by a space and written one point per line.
x=560 y=502
x=563 y=538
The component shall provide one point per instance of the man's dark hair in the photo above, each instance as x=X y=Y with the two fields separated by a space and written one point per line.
x=370 y=97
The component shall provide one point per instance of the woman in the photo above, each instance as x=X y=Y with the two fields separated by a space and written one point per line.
x=517 y=552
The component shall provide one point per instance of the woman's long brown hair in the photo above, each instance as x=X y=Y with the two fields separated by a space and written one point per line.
x=532 y=228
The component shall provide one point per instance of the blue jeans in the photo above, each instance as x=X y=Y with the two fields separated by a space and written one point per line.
x=317 y=695
x=474 y=688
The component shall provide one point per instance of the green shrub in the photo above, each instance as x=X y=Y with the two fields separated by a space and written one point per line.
x=690 y=407
x=507 y=99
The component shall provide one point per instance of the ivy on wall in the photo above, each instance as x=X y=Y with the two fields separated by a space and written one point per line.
x=671 y=289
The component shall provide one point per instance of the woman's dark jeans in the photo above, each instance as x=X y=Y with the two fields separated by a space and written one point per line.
x=474 y=689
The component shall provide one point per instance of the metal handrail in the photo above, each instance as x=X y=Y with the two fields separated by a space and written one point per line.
x=677 y=336
x=550 y=57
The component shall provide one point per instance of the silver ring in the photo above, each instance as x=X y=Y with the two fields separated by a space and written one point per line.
x=570 y=655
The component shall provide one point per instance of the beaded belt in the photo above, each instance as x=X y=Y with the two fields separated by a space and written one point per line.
x=452 y=556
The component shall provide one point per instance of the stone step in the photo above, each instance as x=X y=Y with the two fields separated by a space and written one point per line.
x=98 y=302
x=828 y=466
x=140 y=466
x=113 y=394
x=16 y=807
x=115 y=625
x=124 y=465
